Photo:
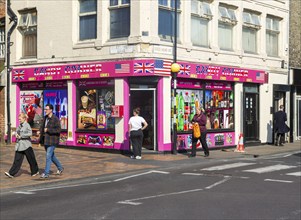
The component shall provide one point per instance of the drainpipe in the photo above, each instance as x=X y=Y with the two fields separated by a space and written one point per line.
x=13 y=18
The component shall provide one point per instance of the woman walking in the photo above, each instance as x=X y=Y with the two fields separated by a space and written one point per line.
x=136 y=134
x=200 y=118
x=23 y=147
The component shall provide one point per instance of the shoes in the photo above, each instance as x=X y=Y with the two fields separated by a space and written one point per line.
x=8 y=175
x=132 y=157
x=44 y=176
x=190 y=155
x=281 y=144
x=138 y=157
x=37 y=173
x=59 y=172
x=206 y=155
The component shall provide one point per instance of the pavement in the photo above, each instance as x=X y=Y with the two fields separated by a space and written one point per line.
x=81 y=163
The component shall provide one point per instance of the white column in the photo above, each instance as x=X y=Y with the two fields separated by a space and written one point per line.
x=119 y=100
x=238 y=109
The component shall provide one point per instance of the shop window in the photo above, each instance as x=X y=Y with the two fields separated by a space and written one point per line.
x=166 y=19
x=120 y=18
x=28 y=28
x=94 y=109
x=251 y=26
x=219 y=106
x=187 y=100
x=200 y=16
x=272 y=36
x=227 y=21
x=87 y=19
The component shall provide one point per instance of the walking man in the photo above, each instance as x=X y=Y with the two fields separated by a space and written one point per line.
x=49 y=137
x=280 y=127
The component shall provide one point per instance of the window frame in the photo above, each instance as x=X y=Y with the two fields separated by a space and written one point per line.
x=92 y=13
x=251 y=22
x=272 y=30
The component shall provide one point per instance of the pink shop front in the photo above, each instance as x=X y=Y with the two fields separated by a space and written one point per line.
x=94 y=101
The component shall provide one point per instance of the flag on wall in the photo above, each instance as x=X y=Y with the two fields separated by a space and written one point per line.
x=147 y=67
x=260 y=76
x=184 y=69
x=18 y=75
x=122 y=68
x=162 y=66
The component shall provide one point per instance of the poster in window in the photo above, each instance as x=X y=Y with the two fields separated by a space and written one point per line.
x=87 y=109
x=31 y=103
x=58 y=98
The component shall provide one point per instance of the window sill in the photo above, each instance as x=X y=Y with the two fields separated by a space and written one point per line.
x=84 y=44
x=27 y=60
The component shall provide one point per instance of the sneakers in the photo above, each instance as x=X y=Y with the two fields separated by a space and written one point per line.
x=132 y=157
x=59 y=172
x=8 y=175
x=138 y=157
x=37 y=173
x=44 y=176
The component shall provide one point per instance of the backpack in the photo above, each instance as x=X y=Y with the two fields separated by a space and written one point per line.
x=196 y=131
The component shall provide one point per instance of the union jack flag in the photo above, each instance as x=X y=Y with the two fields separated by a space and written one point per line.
x=184 y=69
x=162 y=66
x=18 y=75
x=143 y=67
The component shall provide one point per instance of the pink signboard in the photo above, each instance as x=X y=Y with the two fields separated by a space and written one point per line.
x=136 y=68
x=222 y=139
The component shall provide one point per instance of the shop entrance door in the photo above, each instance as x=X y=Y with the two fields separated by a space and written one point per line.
x=279 y=99
x=145 y=99
x=251 y=117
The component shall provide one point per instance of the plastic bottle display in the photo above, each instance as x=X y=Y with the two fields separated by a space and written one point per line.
x=187 y=103
x=57 y=104
x=192 y=107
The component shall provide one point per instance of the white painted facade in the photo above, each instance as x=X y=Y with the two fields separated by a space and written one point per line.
x=57 y=42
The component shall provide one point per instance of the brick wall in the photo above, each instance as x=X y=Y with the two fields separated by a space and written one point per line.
x=2 y=8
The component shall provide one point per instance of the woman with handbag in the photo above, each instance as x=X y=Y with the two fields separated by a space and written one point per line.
x=201 y=119
x=23 y=147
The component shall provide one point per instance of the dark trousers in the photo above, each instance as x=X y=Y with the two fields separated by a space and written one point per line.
x=19 y=156
x=203 y=142
x=281 y=140
x=137 y=139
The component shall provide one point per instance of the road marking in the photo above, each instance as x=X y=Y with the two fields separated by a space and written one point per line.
x=280 y=181
x=131 y=201
x=140 y=174
x=228 y=166
x=270 y=168
x=294 y=174
x=218 y=183
x=193 y=174
x=24 y=192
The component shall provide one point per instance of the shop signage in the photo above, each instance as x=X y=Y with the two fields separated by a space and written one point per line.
x=136 y=68
x=117 y=111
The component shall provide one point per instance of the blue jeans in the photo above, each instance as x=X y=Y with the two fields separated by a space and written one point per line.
x=50 y=157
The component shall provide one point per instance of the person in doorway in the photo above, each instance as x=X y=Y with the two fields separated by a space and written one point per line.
x=136 y=132
x=23 y=147
x=280 y=126
x=49 y=137
x=200 y=118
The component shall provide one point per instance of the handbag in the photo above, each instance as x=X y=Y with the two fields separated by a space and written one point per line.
x=196 y=130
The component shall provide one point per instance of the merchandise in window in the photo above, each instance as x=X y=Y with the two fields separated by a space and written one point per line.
x=94 y=109
x=219 y=105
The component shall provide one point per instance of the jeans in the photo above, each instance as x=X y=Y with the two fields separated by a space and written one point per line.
x=50 y=157
x=203 y=142
x=137 y=139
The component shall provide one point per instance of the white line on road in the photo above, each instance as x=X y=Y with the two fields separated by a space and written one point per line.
x=131 y=201
x=228 y=166
x=25 y=192
x=294 y=174
x=218 y=183
x=140 y=174
x=270 y=168
x=193 y=174
x=279 y=181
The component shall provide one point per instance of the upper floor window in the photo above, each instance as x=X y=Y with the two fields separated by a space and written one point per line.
x=272 y=35
x=87 y=19
x=166 y=19
x=200 y=16
x=251 y=25
x=28 y=28
x=120 y=17
x=2 y=42
x=227 y=21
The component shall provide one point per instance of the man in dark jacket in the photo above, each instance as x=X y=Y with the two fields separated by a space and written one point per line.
x=280 y=126
x=50 y=137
